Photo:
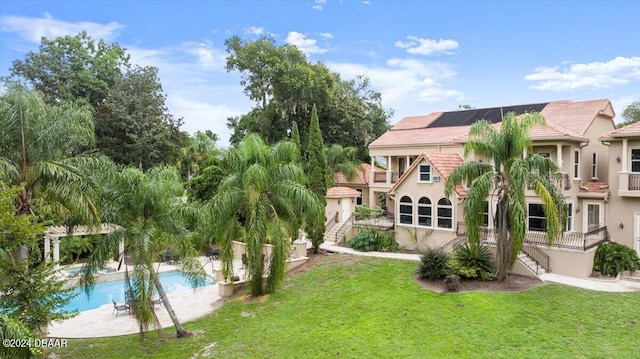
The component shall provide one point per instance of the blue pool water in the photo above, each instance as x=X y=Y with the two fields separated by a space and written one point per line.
x=106 y=292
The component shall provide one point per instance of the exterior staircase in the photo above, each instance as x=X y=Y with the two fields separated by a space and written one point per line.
x=532 y=264
x=334 y=235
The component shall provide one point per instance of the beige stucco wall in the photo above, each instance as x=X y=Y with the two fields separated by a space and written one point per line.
x=332 y=207
x=570 y=262
x=622 y=207
x=601 y=124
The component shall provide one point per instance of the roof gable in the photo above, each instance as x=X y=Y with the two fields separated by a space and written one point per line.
x=632 y=130
x=443 y=163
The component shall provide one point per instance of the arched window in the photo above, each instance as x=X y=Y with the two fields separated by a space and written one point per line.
x=424 y=212
x=445 y=213
x=406 y=210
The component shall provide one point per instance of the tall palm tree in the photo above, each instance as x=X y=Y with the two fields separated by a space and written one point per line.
x=40 y=148
x=506 y=177
x=200 y=146
x=145 y=206
x=259 y=202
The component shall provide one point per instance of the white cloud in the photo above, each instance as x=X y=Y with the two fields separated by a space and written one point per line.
x=33 y=29
x=326 y=35
x=618 y=71
x=405 y=79
x=306 y=45
x=319 y=5
x=254 y=30
x=420 y=46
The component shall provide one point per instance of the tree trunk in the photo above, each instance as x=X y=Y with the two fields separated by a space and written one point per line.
x=180 y=331
x=504 y=242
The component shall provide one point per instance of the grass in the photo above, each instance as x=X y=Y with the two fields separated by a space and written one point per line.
x=372 y=308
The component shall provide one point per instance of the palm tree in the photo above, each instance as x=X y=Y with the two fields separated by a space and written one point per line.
x=506 y=176
x=343 y=159
x=145 y=205
x=40 y=148
x=259 y=202
x=200 y=146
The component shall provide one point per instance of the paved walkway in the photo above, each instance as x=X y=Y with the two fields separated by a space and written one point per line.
x=614 y=285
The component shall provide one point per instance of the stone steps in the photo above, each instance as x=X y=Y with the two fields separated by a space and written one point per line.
x=529 y=262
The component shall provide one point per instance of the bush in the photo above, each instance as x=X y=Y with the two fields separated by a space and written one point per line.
x=374 y=240
x=452 y=282
x=433 y=264
x=473 y=261
x=613 y=258
x=364 y=241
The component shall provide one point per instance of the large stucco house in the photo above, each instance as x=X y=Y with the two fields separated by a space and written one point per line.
x=601 y=186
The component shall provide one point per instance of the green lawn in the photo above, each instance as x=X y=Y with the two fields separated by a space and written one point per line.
x=372 y=308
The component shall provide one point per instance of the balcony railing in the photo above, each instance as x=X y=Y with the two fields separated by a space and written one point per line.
x=634 y=182
x=381 y=177
x=571 y=240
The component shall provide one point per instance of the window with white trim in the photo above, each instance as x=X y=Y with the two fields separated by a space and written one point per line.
x=485 y=214
x=576 y=164
x=424 y=212
x=424 y=174
x=569 y=227
x=536 y=220
x=445 y=213
x=406 y=210
x=635 y=160
x=594 y=165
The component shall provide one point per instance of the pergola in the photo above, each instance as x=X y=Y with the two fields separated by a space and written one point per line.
x=53 y=234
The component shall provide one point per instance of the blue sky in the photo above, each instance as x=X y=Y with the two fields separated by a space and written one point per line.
x=423 y=56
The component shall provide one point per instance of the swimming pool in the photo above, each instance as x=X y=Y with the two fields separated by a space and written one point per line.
x=106 y=292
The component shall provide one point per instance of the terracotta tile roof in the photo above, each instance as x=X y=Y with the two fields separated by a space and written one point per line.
x=633 y=130
x=362 y=175
x=594 y=187
x=420 y=136
x=342 y=192
x=565 y=119
x=575 y=117
x=443 y=163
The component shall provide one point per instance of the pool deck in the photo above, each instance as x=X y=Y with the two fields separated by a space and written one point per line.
x=188 y=304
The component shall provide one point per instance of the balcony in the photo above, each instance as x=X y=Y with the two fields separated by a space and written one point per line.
x=628 y=184
x=388 y=177
x=570 y=240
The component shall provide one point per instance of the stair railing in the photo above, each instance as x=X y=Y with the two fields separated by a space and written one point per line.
x=540 y=258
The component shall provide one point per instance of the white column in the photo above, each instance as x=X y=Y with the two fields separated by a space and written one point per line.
x=121 y=248
x=56 y=252
x=47 y=247
x=559 y=155
x=371 y=173
x=389 y=169
x=624 y=155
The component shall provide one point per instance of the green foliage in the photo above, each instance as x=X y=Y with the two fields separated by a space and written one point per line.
x=260 y=202
x=285 y=86
x=317 y=178
x=364 y=241
x=32 y=296
x=452 y=282
x=39 y=146
x=473 y=261
x=366 y=212
x=433 y=264
x=205 y=185
x=344 y=160
x=631 y=114
x=614 y=258
x=505 y=176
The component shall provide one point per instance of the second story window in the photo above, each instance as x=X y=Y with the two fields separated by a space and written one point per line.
x=594 y=165
x=576 y=164
x=425 y=173
x=635 y=160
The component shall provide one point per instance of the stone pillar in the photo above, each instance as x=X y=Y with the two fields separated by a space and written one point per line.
x=559 y=156
x=47 y=247
x=371 y=173
x=56 y=252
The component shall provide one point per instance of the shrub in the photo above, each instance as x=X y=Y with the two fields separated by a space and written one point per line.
x=364 y=241
x=613 y=258
x=374 y=240
x=473 y=261
x=433 y=264
x=452 y=282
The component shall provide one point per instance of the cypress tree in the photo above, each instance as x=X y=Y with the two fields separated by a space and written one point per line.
x=295 y=137
x=317 y=173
